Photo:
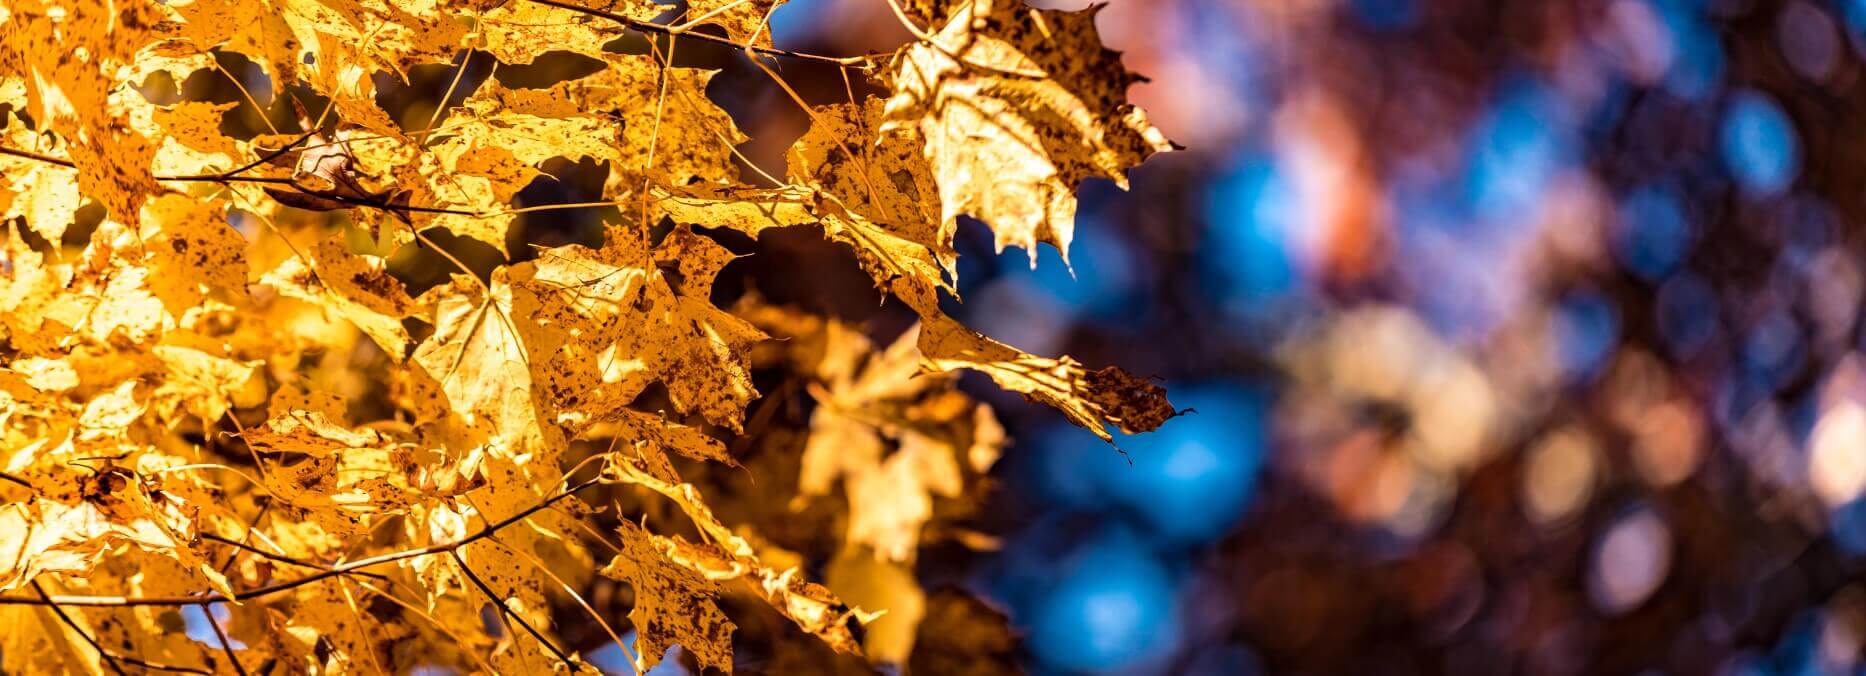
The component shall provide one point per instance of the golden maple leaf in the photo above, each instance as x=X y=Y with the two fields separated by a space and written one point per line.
x=1015 y=107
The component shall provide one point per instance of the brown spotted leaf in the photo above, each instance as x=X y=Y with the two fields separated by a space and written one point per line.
x=1015 y=108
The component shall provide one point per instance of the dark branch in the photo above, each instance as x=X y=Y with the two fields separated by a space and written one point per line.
x=268 y=157
x=229 y=176
x=48 y=159
x=110 y=658
x=507 y=610
x=279 y=557
x=225 y=645
x=659 y=29
x=325 y=574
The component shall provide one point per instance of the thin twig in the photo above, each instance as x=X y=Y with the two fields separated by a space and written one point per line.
x=229 y=176
x=105 y=655
x=442 y=626
x=333 y=571
x=112 y=658
x=226 y=645
x=507 y=610
x=690 y=22
x=268 y=157
x=48 y=159
x=459 y=73
x=574 y=596
x=661 y=29
x=281 y=558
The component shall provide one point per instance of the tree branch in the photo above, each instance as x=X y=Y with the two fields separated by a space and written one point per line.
x=325 y=574
x=48 y=159
x=232 y=176
x=661 y=29
x=207 y=612
x=110 y=658
x=281 y=558
x=507 y=610
x=229 y=176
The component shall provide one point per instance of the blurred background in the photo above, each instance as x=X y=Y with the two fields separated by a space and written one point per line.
x=1522 y=336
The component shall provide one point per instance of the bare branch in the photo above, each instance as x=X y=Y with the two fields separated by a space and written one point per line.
x=109 y=657
x=208 y=612
x=507 y=610
x=661 y=29
x=325 y=574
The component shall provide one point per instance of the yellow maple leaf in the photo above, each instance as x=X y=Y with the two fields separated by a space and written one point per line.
x=354 y=287
x=1015 y=107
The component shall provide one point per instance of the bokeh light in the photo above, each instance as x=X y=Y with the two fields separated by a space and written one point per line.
x=1760 y=147
x=1655 y=232
x=1109 y=607
x=1629 y=562
x=1837 y=454
x=1186 y=483
x=1560 y=475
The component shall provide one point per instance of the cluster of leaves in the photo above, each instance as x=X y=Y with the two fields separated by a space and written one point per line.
x=213 y=391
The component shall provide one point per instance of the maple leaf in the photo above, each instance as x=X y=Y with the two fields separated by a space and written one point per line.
x=675 y=605
x=1015 y=107
x=42 y=194
x=907 y=448
x=654 y=436
x=628 y=316
x=73 y=519
x=907 y=269
x=1090 y=398
x=191 y=252
x=812 y=607
x=883 y=178
x=645 y=121
x=206 y=384
x=592 y=328
x=865 y=580
x=41 y=641
x=73 y=96
x=479 y=358
x=669 y=130
x=518 y=32
x=354 y=287
x=191 y=140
